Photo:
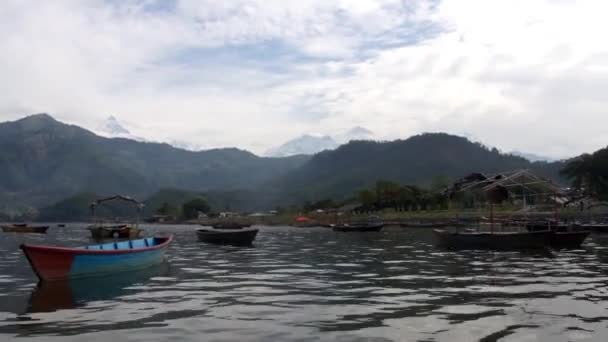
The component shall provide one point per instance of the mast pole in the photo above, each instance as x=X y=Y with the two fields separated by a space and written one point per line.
x=492 y=216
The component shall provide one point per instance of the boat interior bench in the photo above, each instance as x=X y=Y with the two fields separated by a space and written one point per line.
x=130 y=244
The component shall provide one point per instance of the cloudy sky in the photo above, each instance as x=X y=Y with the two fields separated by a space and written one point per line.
x=529 y=75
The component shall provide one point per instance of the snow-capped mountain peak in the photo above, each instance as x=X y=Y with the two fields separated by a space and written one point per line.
x=305 y=144
x=112 y=126
x=358 y=133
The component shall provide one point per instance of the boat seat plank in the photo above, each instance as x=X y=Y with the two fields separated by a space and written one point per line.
x=122 y=245
x=108 y=246
x=139 y=243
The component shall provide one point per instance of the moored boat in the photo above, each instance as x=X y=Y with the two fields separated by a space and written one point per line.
x=493 y=240
x=546 y=225
x=358 y=227
x=596 y=227
x=437 y=224
x=101 y=231
x=55 y=263
x=568 y=239
x=244 y=236
x=24 y=228
x=230 y=225
x=565 y=235
x=122 y=231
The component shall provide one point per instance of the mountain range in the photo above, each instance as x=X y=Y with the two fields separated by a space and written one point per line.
x=44 y=161
x=309 y=144
x=304 y=145
x=416 y=160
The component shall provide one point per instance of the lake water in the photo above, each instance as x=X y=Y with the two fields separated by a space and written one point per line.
x=300 y=284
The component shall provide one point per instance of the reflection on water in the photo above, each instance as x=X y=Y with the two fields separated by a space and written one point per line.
x=68 y=294
x=314 y=284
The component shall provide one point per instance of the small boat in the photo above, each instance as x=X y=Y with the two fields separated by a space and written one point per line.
x=121 y=231
x=569 y=239
x=56 y=263
x=438 y=224
x=243 y=236
x=24 y=228
x=230 y=225
x=596 y=227
x=546 y=225
x=493 y=240
x=565 y=235
x=61 y=225
x=101 y=231
x=358 y=227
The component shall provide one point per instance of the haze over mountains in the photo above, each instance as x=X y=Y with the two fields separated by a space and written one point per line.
x=43 y=161
x=310 y=144
x=306 y=144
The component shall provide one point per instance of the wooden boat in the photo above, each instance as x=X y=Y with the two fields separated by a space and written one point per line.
x=431 y=224
x=24 y=228
x=565 y=235
x=122 y=231
x=230 y=225
x=569 y=239
x=596 y=227
x=493 y=240
x=547 y=225
x=244 y=236
x=55 y=263
x=358 y=227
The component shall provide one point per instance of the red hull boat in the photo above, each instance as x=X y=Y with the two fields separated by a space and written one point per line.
x=54 y=263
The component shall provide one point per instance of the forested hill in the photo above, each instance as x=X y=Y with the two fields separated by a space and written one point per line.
x=417 y=160
x=43 y=160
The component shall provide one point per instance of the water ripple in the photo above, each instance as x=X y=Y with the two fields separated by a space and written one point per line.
x=315 y=284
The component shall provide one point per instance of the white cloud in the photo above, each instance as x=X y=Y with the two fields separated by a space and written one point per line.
x=521 y=75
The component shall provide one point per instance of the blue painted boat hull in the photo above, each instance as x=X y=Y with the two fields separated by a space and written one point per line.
x=55 y=263
x=88 y=265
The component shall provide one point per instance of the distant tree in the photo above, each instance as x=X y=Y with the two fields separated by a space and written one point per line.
x=167 y=209
x=589 y=173
x=367 y=199
x=578 y=171
x=439 y=183
x=322 y=204
x=387 y=194
x=439 y=199
x=191 y=208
